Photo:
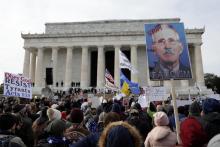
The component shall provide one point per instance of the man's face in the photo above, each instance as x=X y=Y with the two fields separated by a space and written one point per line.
x=167 y=45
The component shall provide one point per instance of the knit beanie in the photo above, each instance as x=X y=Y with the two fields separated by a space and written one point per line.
x=76 y=115
x=161 y=119
x=53 y=114
x=56 y=127
x=210 y=105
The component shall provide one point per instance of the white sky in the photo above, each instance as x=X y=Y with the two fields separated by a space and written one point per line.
x=26 y=16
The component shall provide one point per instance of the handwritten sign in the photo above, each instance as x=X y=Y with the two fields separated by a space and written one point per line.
x=156 y=93
x=17 y=85
x=143 y=101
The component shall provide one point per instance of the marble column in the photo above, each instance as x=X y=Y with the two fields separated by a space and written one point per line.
x=33 y=66
x=68 y=73
x=117 y=68
x=184 y=83
x=39 y=79
x=84 y=68
x=54 y=64
x=199 y=66
x=101 y=67
x=26 y=66
x=134 y=76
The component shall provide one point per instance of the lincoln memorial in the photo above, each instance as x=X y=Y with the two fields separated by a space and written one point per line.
x=77 y=54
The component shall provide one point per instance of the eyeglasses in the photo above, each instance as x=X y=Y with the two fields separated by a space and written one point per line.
x=169 y=42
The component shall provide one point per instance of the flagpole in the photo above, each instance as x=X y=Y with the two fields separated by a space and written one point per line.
x=175 y=112
x=104 y=93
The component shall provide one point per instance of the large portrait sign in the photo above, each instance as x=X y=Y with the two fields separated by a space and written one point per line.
x=17 y=85
x=167 y=52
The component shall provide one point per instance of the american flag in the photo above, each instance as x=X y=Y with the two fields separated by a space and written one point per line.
x=109 y=81
x=109 y=76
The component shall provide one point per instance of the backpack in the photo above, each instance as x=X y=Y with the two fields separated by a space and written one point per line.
x=5 y=140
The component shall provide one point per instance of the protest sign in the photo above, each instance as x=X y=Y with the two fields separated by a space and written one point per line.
x=143 y=101
x=156 y=93
x=17 y=85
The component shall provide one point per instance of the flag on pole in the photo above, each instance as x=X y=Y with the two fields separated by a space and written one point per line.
x=109 y=81
x=133 y=87
x=125 y=63
x=125 y=88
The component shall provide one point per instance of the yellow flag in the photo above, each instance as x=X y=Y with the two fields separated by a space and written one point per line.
x=125 y=89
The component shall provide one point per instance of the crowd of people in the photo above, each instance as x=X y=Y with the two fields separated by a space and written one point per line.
x=71 y=121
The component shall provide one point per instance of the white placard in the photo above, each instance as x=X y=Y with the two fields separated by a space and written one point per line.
x=182 y=102
x=142 y=100
x=94 y=100
x=156 y=93
x=17 y=85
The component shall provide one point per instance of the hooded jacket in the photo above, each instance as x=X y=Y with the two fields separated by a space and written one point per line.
x=120 y=134
x=211 y=124
x=161 y=136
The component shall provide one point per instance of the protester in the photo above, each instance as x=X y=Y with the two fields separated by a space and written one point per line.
x=211 y=117
x=82 y=128
x=7 y=131
x=161 y=134
x=55 y=138
x=215 y=141
x=25 y=132
x=92 y=139
x=192 y=133
x=77 y=131
x=120 y=134
x=40 y=124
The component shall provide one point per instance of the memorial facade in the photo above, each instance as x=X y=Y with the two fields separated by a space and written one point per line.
x=77 y=54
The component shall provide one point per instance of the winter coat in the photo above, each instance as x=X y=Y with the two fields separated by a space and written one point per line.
x=76 y=133
x=14 y=141
x=211 y=124
x=161 y=136
x=89 y=141
x=192 y=133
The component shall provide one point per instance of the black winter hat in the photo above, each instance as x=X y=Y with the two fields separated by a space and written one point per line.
x=195 y=109
x=7 y=121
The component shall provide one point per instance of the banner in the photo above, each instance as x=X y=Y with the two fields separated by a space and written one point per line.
x=125 y=63
x=17 y=85
x=167 y=52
